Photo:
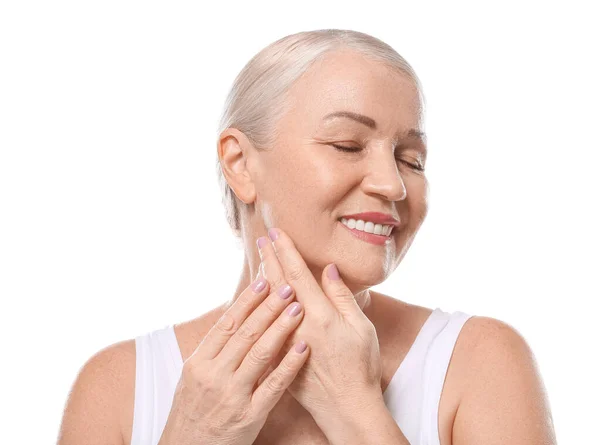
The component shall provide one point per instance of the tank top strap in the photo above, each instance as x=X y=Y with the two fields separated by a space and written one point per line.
x=445 y=328
x=158 y=368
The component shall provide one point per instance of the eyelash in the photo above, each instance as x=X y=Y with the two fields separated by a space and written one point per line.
x=357 y=149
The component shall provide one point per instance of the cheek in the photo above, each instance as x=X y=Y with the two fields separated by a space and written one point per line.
x=295 y=189
x=310 y=178
x=417 y=195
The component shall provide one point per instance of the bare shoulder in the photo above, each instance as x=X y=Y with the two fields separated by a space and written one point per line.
x=99 y=397
x=504 y=398
x=100 y=405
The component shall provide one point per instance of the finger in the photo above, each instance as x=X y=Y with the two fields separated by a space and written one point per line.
x=271 y=268
x=230 y=302
x=264 y=375
x=266 y=349
x=338 y=293
x=218 y=336
x=252 y=329
x=269 y=392
x=297 y=273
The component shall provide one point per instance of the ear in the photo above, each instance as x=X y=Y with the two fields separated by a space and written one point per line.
x=234 y=149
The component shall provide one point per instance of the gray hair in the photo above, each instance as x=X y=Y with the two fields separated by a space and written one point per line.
x=257 y=99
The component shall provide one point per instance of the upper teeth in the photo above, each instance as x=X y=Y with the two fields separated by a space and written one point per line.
x=368 y=226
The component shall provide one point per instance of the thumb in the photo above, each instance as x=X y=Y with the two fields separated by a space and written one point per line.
x=337 y=291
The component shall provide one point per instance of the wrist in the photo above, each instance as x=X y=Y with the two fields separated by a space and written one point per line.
x=348 y=424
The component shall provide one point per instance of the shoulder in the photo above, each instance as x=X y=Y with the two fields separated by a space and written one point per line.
x=113 y=365
x=488 y=339
x=488 y=345
x=503 y=396
x=100 y=396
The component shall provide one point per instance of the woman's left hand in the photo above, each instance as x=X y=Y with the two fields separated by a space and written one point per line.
x=342 y=375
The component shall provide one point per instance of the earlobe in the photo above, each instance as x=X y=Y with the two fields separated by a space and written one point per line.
x=233 y=151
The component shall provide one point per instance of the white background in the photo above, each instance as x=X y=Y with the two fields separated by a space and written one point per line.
x=111 y=220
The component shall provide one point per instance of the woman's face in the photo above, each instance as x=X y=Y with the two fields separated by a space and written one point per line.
x=305 y=185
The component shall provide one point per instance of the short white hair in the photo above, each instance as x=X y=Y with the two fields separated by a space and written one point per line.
x=257 y=99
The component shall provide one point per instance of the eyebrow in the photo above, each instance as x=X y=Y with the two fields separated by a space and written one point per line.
x=413 y=133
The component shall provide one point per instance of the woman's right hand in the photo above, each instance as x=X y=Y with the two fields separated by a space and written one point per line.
x=224 y=394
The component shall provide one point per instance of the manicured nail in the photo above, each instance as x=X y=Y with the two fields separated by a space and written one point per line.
x=285 y=291
x=273 y=234
x=294 y=310
x=259 y=285
x=301 y=347
x=261 y=242
x=333 y=272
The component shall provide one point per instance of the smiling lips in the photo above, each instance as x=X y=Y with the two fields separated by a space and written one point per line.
x=370 y=237
x=374 y=217
x=368 y=226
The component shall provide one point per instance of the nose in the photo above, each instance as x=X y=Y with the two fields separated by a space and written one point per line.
x=383 y=176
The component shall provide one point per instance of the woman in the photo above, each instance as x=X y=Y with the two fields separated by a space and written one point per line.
x=321 y=148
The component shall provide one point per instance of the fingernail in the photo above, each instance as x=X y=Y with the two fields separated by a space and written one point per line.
x=261 y=242
x=333 y=272
x=294 y=310
x=285 y=291
x=301 y=347
x=259 y=285
x=273 y=234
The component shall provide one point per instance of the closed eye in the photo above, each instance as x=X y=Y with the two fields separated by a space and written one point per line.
x=418 y=167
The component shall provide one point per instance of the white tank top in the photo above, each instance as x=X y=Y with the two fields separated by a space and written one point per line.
x=412 y=396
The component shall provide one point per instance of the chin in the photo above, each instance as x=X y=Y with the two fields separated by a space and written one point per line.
x=361 y=278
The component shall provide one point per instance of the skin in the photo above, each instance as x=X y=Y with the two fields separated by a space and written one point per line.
x=493 y=392
x=304 y=185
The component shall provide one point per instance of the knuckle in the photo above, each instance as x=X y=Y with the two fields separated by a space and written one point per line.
x=195 y=374
x=259 y=355
x=247 y=300
x=284 y=324
x=340 y=292
x=189 y=372
x=285 y=366
x=247 y=332
x=275 y=383
x=243 y=416
x=226 y=324
x=295 y=273
x=325 y=321
x=231 y=413
x=278 y=283
x=273 y=306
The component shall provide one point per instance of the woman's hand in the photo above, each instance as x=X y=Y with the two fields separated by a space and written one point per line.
x=225 y=391
x=343 y=372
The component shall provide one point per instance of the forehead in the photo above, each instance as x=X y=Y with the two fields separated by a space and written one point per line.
x=345 y=80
